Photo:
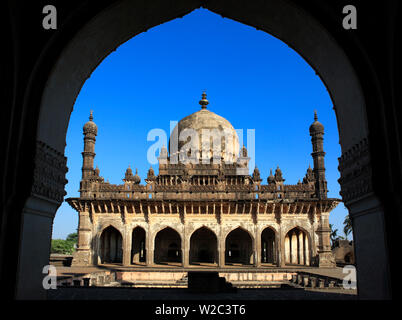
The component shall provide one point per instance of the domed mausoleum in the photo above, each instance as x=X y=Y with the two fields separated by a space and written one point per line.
x=203 y=207
x=210 y=134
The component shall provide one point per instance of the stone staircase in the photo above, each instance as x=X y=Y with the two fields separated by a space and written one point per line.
x=181 y=283
x=291 y=279
x=311 y=280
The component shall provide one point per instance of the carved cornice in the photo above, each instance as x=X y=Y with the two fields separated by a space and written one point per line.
x=356 y=172
x=49 y=173
x=221 y=207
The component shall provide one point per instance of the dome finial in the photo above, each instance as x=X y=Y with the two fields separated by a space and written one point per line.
x=203 y=102
x=316 y=126
x=91 y=117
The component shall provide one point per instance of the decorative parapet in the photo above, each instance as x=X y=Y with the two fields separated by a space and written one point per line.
x=356 y=172
x=142 y=206
x=49 y=173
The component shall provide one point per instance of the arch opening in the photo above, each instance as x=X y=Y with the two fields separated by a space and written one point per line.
x=268 y=246
x=138 y=246
x=347 y=95
x=239 y=247
x=297 y=247
x=111 y=250
x=167 y=247
x=203 y=247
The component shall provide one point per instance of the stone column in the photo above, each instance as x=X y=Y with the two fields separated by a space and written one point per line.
x=82 y=255
x=287 y=250
x=127 y=242
x=301 y=247
x=185 y=248
x=368 y=220
x=307 y=250
x=293 y=246
x=221 y=251
x=185 y=253
x=280 y=248
x=257 y=248
x=37 y=219
x=325 y=255
x=150 y=248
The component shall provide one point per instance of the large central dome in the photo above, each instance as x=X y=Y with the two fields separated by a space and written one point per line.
x=208 y=134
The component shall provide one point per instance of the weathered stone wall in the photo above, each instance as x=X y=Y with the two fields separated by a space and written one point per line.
x=90 y=246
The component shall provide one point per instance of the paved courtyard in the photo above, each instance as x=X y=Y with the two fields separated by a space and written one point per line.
x=286 y=292
x=96 y=293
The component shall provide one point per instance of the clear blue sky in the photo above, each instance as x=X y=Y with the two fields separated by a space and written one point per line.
x=252 y=79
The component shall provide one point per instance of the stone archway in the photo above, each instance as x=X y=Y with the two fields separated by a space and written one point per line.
x=203 y=246
x=118 y=23
x=297 y=247
x=238 y=247
x=138 y=245
x=269 y=248
x=167 y=247
x=111 y=250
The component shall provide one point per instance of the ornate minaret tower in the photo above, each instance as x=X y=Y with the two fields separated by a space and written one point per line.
x=90 y=131
x=317 y=139
x=325 y=256
x=82 y=255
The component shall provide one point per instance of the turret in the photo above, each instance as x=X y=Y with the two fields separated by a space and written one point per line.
x=90 y=130
x=256 y=176
x=309 y=177
x=151 y=175
x=163 y=156
x=318 y=154
x=271 y=178
x=130 y=178
x=278 y=176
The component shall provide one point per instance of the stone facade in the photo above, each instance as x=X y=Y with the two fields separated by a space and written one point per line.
x=203 y=207
x=344 y=252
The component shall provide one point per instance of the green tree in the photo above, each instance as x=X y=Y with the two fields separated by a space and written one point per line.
x=62 y=246
x=67 y=246
x=72 y=237
x=347 y=229
x=334 y=233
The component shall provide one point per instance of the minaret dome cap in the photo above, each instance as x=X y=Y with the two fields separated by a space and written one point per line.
x=90 y=126
x=316 y=126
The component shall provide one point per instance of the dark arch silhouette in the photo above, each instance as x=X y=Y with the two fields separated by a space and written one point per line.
x=23 y=102
x=203 y=246
x=238 y=247
x=269 y=247
x=111 y=246
x=138 y=245
x=167 y=246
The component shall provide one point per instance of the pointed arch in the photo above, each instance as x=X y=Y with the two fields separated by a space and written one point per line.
x=203 y=246
x=297 y=246
x=269 y=245
x=138 y=245
x=168 y=244
x=107 y=225
x=239 y=247
x=111 y=249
